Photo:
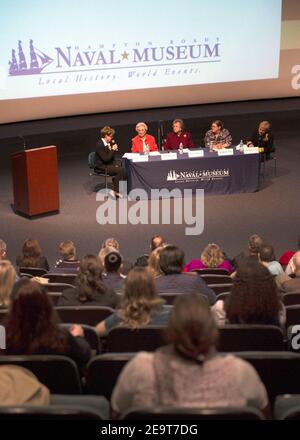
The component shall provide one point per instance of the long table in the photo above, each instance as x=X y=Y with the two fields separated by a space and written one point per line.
x=215 y=174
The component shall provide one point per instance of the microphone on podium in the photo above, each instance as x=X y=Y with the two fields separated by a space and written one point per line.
x=161 y=135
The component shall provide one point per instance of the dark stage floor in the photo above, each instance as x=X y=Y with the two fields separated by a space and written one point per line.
x=273 y=212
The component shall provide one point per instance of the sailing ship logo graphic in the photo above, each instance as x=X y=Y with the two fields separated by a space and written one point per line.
x=38 y=61
x=172 y=176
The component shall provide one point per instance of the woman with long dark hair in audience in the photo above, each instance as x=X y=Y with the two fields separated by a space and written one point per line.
x=141 y=305
x=7 y=281
x=32 y=255
x=188 y=372
x=90 y=289
x=254 y=298
x=32 y=327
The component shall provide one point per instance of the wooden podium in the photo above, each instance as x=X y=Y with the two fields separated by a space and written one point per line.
x=35 y=181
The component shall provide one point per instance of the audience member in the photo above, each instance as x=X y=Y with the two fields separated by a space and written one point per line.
x=174 y=280
x=3 y=250
x=156 y=241
x=211 y=257
x=154 y=262
x=254 y=244
x=32 y=256
x=268 y=259
x=114 y=244
x=113 y=265
x=287 y=255
x=68 y=261
x=290 y=268
x=90 y=288
x=254 y=298
x=141 y=305
x=7 y=281
x=189 y=372
x=32 y=327
x=293 y=284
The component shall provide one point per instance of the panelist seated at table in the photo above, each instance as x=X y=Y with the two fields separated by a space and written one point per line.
x=217 y=137
x=263 y=138
x=178 y=136
x=106 y=160
x=143 y=142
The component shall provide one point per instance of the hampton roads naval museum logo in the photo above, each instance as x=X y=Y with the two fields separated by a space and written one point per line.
x=32 y=60
x=185 y=176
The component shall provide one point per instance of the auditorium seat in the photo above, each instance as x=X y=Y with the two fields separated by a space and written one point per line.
x=3 y=315
x=287 y=407
x=59 y=373
x=211 y=271
x=279 y=371
x=243 y=337
x=103 y=372
x=292 y=315
x=171 y=413
x=54 y=297
x=291 y=299
x=58 y=287
x=223 y=296
x=124 y=339
x=33 y=271
x=90 y=315
x=217 y=279
x=221 y=288
x=90 y=335
x=51 y=412
x=65 y=278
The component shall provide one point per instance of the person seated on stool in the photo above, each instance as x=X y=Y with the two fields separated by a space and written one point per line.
x=143 y=142
x=217 y=137
x=106 y=160
x=178 y=136
x=263 y=138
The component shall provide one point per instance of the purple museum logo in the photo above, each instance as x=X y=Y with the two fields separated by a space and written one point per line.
x=70 y=58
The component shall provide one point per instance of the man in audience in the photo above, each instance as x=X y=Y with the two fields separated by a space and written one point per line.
x=156 y=242
x=267 y=258
x=68 y=261
x=290 y=268
x=254 y=244
x=293 y=284
x=113 y=277
x=3 y=250
x=174 y=280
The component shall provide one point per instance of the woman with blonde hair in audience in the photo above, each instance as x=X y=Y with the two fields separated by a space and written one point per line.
x=153 y=262
x=188 y=372
x=211 y=257
x=32 y=255
x=7 y=281
x=141 y=305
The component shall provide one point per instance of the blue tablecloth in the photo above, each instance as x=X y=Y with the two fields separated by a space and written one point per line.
x=215 y=174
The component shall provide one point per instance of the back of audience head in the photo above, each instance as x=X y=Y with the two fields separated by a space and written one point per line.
x=89 y=279
x=171 y=260
x=254 y=244
x=296 y=261
x=140 y=300
x=157 y=241
x=254 y=296
x=192 y=328
x=32 y=323
x=113 y=262
x=3 y=250
x=103 y=252
x=67 y=250
x=266 y=253
x=212 y=255
x=31 y=252
x=7 y=280
x=154 y=261
x=111 y=243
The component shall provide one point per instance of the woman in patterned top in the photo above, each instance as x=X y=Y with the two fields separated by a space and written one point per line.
x=217 y=137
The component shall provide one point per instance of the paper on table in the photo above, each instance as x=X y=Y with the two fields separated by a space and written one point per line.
x=141 y=158
x=225 y=152
x=131 y=155
x=169 y=156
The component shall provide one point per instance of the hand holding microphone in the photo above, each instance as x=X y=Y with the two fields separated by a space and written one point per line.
x=114 y=146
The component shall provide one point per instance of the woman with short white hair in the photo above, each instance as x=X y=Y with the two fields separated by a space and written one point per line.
x=143 y=142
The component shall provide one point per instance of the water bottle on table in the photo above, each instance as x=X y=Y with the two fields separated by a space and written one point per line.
x=180 y=149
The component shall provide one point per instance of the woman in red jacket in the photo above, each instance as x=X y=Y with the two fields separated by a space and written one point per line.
x=143 y=142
